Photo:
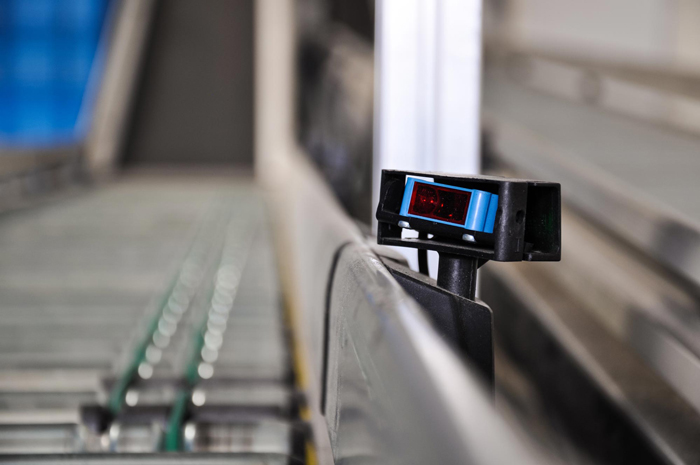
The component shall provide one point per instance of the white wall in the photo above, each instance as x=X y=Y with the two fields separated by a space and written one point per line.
x=657 y=33
x=688 y=35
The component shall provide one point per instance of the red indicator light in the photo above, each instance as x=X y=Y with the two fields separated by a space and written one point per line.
x=439 y=203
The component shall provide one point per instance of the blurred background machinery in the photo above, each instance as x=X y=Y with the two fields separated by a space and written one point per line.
x=188 y=269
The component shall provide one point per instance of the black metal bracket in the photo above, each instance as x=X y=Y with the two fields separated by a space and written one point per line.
x=466 y=324
x=527 y=227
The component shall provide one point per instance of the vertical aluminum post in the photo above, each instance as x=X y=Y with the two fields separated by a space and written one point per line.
x=427 y=88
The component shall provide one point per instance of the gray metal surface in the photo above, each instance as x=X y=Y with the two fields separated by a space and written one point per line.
x=310 y=228
x=112 y=91
x=155 y=459
x=135 y=438
x=77 y=278
x=639 y=303
x=79 y=275
x=643 y=402
x=244 y=394
x=615 y=303
x=132 y=295
x=396 y=393
x=195 y=103
x=272 y=437
x=38 y=439
x=636 y=178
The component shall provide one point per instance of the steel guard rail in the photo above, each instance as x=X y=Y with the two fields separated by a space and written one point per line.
x=382 y=385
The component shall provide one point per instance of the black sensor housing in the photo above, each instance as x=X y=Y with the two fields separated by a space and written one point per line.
x=527 y=227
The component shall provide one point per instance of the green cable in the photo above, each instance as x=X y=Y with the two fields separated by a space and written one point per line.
x=191 y=374
x=173 y=441
x=173 y=434
x=118 y=393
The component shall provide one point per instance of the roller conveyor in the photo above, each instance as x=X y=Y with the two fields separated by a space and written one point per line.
x=146 y=316
x=150 y=319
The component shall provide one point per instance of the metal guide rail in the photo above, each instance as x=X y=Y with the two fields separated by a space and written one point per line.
x=94 y=360
x=635 y=178
x=606 y=344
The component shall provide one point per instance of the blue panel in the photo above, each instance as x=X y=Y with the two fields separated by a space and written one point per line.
x=47 y=57
x=491 y=216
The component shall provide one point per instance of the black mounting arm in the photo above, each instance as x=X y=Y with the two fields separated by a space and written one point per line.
x=468 y=220
x=526 y=225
